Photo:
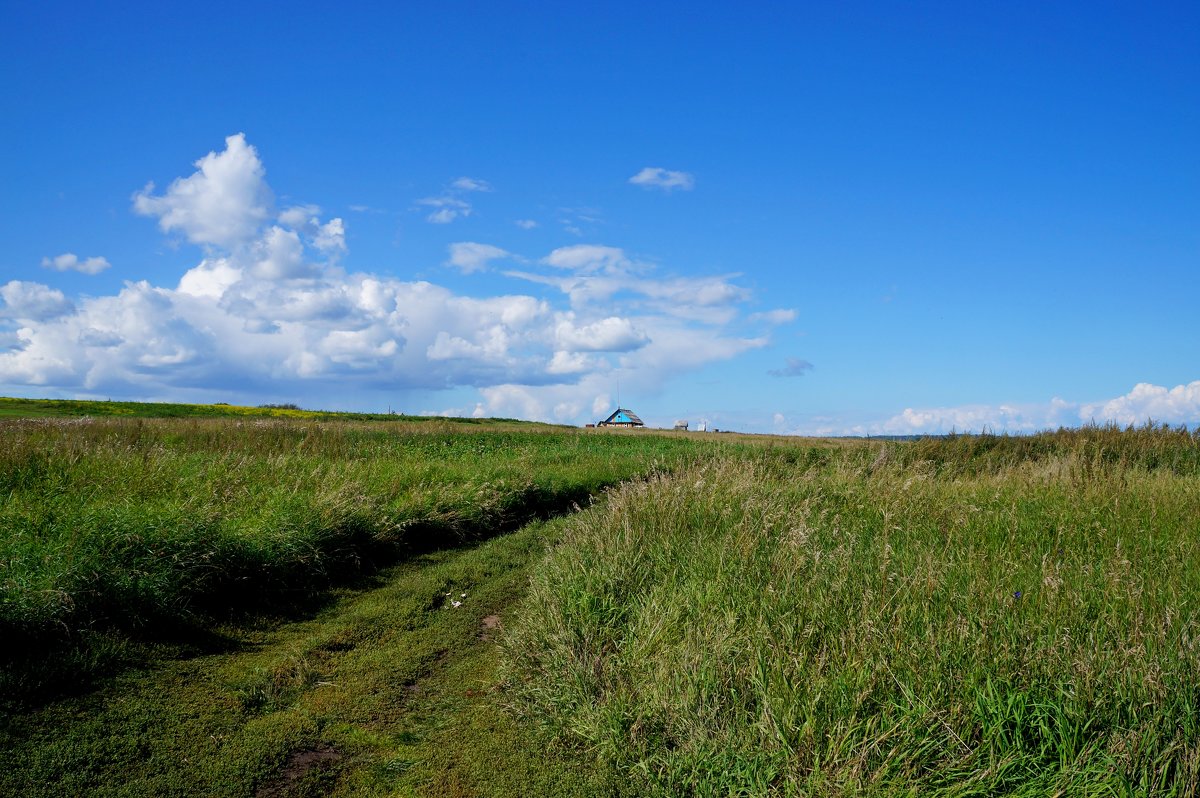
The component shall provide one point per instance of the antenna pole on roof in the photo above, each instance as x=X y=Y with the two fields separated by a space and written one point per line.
x=618 y=393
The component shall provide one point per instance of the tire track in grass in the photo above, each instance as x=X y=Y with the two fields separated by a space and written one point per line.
x=388 y=691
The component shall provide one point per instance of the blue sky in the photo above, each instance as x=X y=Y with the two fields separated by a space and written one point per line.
x=835 y=219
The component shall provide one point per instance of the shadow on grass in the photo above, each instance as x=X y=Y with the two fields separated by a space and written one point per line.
x=41 y=665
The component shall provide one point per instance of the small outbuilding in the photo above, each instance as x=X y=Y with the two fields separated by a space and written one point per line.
x=622 y=418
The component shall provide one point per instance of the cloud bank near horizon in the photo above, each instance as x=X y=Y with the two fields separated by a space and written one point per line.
x=269 y=311
x=1178 y=405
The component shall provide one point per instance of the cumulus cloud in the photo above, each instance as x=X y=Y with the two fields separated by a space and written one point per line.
x=1145 y=402
x=32 y=301
x=612 y=334
x=70 y=262
x=571 y=363
x=328 y=238
x=469 y=256
x=268 y=311
x=526 y=224
x=795 y=368
x=664 y=179
x=279 y=255
x=223 y=203
x=1178 y=405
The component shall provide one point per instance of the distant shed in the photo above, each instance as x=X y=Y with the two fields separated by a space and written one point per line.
x=622 y=418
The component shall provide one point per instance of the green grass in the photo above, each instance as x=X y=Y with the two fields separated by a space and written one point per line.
x=387 y=691
x=971 y=616
x=112 y=529
x=258 y=605
x=13 y=407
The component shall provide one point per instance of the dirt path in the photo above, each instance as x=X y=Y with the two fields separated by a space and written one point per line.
x=387 y=692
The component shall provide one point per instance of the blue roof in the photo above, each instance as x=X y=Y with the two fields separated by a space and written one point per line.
x=623 y=416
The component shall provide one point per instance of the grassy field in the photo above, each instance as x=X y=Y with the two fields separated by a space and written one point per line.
x=13 y=407
x=250 y=604
x=388 y=690
x=967 y=616
x=113 y=529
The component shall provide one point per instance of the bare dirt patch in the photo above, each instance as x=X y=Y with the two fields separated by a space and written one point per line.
x=490 y=624
x=299 y=768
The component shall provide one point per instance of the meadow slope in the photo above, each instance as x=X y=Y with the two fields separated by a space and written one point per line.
x=968 y=616
x=261 y=605
x=115 y=529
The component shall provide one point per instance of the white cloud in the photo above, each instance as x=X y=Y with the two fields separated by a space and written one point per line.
x=298 y=216
x=526 y=224
x=579 y=221
x=978 y=418
x=451 y=205
x=210 y=279
x=32 y=301
x=713 y=299
x=602 y=273
x=452 y=347
x=587 y=258
x=795 y=368
x=267 y=311
x=69 y=262
x=469 y=257
x=612 y=334
x=777 y=316
x=471 y=184
x=665 y=179
x=330 y=237
x=279 y=255
x=1178 y=405
x=572 y=363
x=222 y=204
x=1145 y=402
x=448 y=209
x=672 y=349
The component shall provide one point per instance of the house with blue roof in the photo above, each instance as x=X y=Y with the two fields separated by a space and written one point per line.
x=622 y=418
